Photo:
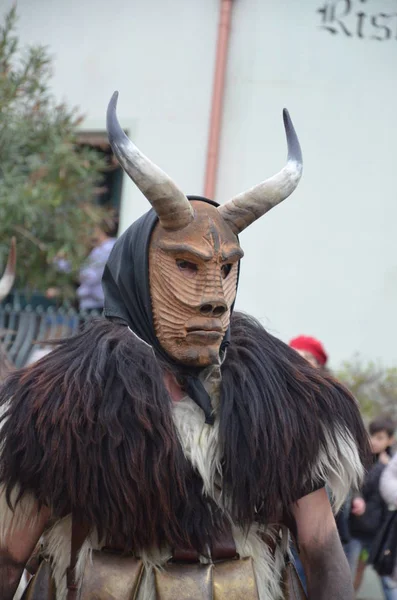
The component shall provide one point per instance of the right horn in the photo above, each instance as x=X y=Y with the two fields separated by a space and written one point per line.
x=245 y=208
x=170 y=203
x=7 y=281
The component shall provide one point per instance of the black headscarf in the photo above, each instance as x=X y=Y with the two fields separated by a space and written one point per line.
x=126 y=288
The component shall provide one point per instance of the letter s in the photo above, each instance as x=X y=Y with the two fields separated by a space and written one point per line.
x=386 y=31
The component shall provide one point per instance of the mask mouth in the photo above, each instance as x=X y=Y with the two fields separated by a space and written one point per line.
x=205 y=331
x=205 y=325
x=205 y=337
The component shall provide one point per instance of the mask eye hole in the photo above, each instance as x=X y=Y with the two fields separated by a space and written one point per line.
x=188 y=268
x=225 y=270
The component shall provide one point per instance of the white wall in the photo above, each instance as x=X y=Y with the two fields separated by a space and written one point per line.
x=327 y=259
x=325 y=262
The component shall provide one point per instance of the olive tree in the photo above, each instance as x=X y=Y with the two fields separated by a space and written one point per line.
x=47 y=179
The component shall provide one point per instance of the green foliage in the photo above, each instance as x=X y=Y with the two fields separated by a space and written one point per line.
x=374 y=386
x=47 y=180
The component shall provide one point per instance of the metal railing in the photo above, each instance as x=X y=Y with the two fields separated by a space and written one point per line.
x=26 y=331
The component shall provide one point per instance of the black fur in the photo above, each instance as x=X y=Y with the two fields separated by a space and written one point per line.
x=274 y=407
x=89 y=429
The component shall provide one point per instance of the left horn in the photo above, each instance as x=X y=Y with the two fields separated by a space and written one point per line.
x=7 y=281
x=245 y=208
x=170 y=203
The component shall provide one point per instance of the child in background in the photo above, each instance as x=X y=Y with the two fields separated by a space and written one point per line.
x=369 y=510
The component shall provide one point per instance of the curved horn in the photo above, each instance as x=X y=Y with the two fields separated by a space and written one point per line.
x=245 y=208
x=7 y=281
x=170 y=203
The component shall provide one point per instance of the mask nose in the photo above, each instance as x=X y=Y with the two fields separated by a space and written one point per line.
x=213 y=309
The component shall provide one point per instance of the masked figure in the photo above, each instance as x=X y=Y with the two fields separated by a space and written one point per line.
x=175 y=445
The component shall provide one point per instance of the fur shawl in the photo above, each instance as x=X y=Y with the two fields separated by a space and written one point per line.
x=89 y=429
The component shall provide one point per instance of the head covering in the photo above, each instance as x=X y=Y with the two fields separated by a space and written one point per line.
x=312 y=345
x=126 y=288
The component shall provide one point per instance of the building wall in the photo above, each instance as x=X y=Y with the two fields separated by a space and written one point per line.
x=323 y=263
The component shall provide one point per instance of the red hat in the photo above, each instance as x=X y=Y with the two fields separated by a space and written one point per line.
x=310 y=344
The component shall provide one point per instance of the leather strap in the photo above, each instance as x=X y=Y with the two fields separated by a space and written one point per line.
x=187 y=555
x=80 y=531
x=32 y=566
x=223 y=548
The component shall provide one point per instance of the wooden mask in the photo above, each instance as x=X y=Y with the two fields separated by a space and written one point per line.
x=194 y=250
x=193 y=283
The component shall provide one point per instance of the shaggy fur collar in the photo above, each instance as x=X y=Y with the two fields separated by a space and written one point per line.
x=91 y=429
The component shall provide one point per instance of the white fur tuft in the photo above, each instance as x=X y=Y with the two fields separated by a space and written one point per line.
x=13 y=519
x=340 y=466
x=267 y=568
x=199 y=442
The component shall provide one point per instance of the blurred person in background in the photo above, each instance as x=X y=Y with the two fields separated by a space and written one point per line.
x=89 y=291
x=388 y=490
x=388 y=483
x=369 y=509
x=311 y=349
x=6 y=283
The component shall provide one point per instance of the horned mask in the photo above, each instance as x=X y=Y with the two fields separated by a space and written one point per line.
x=194 y=250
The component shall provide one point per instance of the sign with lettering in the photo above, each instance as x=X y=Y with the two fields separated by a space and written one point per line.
x=360 y=19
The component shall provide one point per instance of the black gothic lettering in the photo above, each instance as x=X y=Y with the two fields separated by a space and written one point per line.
x=327 y=13
x=361 y=17
x=377 y=25
x=344 y=13
x=342 y=16
x=333 y=14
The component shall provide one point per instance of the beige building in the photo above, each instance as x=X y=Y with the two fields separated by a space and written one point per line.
x=325 y=262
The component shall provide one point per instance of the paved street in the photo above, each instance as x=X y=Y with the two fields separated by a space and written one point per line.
x=371 y=589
